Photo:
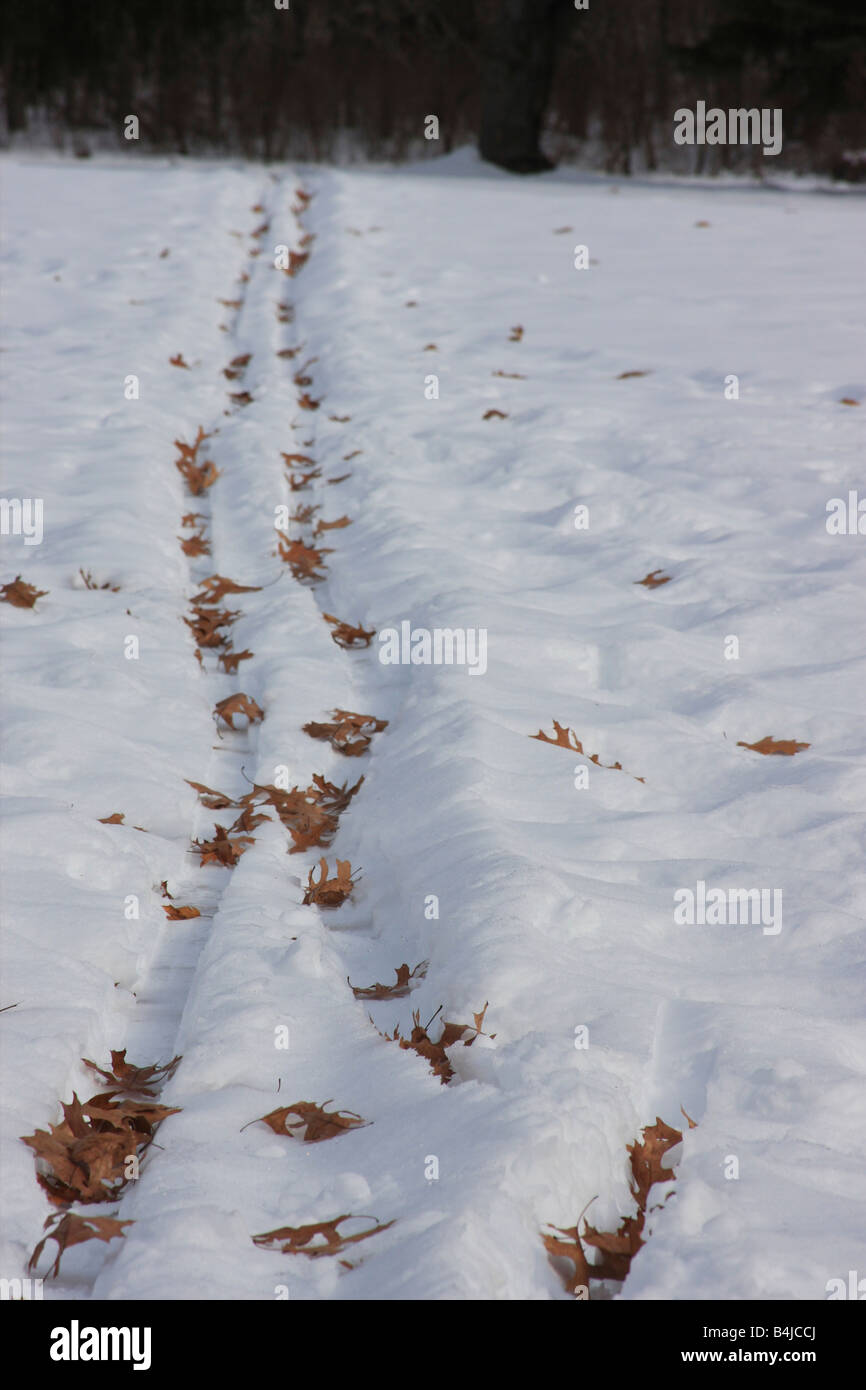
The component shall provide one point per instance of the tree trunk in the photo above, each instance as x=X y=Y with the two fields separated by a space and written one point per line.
x=518 y=69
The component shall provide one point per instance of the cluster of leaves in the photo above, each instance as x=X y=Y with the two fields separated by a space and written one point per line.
x=19 y=594
x=617 y=1248
x=208 y=619
x=236 y=367
x=347 y=636
x=197 y=476
x=196 y=544
x=84 y=1159
x=419 y=1041
x=305 y=561
x=311 y=816
x=329 y=892
x=567 y=738
x=299 y=1240
x=350 y=734
x=299 y=482
x=312 y=1123
x=222 y=849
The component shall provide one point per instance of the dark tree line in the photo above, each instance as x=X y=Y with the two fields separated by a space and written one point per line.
x=530 y=80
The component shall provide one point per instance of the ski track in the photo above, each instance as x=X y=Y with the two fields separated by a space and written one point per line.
x=554 y=903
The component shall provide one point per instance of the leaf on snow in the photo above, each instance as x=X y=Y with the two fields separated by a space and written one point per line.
x=654 y=579
x=400 y=987
x=132 y=1078
x=72 y=1230
x=229 y=661
x=221 y=849
x=238 y=704
x=313 y=1123
x=305 y=561
x=19 y=594
x=297 y=1240
x=347 y=636
x=567 y=738
x=330 y=892
x=215 y=801
x=350 y=734
x=786 y=747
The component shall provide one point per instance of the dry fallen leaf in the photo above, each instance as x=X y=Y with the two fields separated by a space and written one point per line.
x=215 y=587
x=350 y=734
x=221 y=849
x=197 y=476
x=195 y=545
x=347 y=636
x=313 y=1123
x=297 y=1240
x=70 y=1229
x=230 y=661
x=177 y=361
x=618 y=1248
x=654 y=579
x=238 y=704
x=215 y=801
x=494 y=415
x=19 y=594
x=125 y=1076
x=769 y=745
x=331 y=525
x=330 y=892
x=435 y=1054
x=179 y=914
x=400 y=987
x=567 y=738
x=305 y=561
x=115 y=819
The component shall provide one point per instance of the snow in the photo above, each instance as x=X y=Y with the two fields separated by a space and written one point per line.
x=555 y=901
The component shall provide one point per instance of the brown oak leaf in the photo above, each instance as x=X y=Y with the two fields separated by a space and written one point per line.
x=19 y=594
x=786 y=747
x=70 y=1229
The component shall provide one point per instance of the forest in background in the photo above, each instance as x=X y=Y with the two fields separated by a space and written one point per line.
x=335 y=79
